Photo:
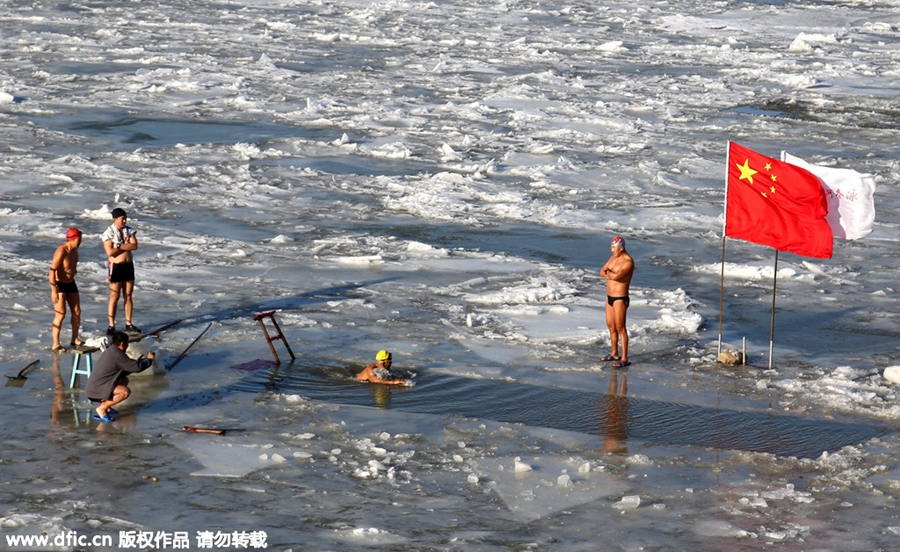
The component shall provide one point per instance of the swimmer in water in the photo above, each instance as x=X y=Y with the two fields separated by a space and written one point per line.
x=380 y=372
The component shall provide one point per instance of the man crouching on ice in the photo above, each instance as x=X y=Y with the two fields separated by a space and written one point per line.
x=108 y=384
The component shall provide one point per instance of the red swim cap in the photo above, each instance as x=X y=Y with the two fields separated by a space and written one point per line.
x=618 y=241
x=73 y=234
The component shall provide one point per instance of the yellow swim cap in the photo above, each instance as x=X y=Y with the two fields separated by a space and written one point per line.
x=382 y=355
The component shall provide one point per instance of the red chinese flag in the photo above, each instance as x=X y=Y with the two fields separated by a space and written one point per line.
x=773 y=203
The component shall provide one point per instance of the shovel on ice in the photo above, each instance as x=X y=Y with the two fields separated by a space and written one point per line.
x=19 y=379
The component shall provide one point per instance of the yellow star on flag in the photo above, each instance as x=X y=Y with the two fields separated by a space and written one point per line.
x=746 y=172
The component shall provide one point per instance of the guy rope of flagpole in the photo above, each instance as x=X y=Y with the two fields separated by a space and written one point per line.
x=722 y=276
x=772 y=327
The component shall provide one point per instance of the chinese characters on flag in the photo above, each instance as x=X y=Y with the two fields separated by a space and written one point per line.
x=851 y=198
x=778 y=204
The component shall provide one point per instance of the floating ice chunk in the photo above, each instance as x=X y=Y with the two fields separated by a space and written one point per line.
x=280 y=238
x=6 y=97
x=758 y=503
x=892 y=374
x=326 y=37
x=384 y=436
x=612 y=46
x=804 y=41
x=472 y=479
x=366 y=531
x=376 y=466
x=778 y=494
x=457 y=458
x=278 y=459
x=639 y=460
x=362 y=259
x=264 y=456
x=584 y=468
x=720 y=528
x=19 y=520
x=521 y=467
x=448 y=154
x=629 y=502
x=247 y=151
x=564 y=480
x=302 y=454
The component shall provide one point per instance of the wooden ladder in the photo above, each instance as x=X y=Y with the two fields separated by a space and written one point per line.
x=271 y=315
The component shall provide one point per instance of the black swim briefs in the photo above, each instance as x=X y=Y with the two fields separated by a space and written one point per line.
x=612 y=300
x=121 y=272
x=66 y=287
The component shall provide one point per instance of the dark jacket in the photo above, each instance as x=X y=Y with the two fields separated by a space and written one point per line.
x=105 y=375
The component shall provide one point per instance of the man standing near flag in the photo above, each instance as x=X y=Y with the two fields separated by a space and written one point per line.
x=617 y=272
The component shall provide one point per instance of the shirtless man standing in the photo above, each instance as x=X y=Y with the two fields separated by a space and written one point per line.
x=119 y=240
x=63 y=289
x=617 y=271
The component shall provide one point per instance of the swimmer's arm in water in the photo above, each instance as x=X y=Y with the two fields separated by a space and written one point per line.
x=371 y=374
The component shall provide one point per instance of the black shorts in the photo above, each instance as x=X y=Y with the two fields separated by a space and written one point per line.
x=121 y=272
x=66 y=287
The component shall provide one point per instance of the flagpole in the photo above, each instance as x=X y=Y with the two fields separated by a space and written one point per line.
x=772 y=327
x=724 y=223
x=721 y=297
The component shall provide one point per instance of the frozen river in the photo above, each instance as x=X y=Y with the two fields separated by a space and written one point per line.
x=442 y=180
